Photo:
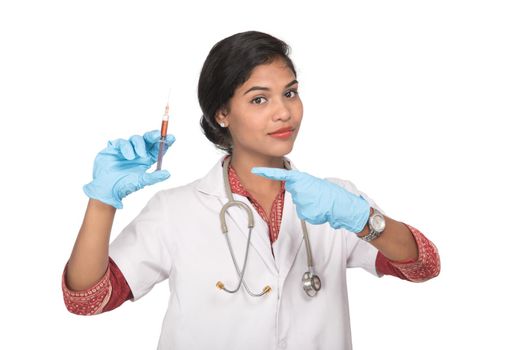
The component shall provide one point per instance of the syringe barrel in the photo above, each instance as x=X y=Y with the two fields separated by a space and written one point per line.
x=163 y=130
x=162 y=148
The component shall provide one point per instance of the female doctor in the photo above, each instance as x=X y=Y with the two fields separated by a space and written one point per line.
x=255 y=251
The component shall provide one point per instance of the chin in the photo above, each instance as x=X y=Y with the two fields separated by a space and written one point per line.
x=280 y=150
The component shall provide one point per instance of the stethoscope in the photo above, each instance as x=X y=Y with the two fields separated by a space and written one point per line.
x=310 y=281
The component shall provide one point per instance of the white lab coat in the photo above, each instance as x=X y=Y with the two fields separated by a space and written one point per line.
x=177 y=236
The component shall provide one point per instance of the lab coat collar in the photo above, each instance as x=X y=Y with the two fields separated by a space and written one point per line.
x=290 y=236
x=213 y=183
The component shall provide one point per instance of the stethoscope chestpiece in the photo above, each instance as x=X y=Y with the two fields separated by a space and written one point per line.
x=311 y=283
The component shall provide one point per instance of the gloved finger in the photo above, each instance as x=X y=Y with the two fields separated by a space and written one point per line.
x=139 y=145
x=124 y=147
x=154 y=177
x=170 y=139
x=151 y=137
x=275 y=173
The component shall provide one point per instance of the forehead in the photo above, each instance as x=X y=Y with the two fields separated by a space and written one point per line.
x=272 y=72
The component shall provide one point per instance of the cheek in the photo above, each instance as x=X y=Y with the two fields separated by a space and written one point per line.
x=298 y=106
x=299 y=111
x=251 y=132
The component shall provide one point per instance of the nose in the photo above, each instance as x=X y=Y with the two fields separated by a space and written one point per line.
x=282 y=110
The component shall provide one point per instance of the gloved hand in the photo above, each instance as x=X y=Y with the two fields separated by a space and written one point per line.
x=319 y=201
x=120 y=168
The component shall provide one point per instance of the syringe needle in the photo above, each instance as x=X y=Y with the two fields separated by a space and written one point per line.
x=168 y=95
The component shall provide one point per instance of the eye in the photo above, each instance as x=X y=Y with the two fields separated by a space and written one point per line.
x=257 y=99
x=293 y=91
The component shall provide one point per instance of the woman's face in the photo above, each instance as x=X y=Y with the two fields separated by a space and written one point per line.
x=266 y=102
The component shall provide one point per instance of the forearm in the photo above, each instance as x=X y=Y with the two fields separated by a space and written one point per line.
x=396 y=242
x=89 y=258
x=425 y=267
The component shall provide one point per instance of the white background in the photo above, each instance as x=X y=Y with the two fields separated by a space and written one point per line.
x=416 y=102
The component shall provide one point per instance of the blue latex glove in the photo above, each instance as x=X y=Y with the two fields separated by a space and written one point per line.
x=319 y=201
x=120 y=168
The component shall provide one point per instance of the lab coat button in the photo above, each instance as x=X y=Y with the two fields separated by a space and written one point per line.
x=282 y=344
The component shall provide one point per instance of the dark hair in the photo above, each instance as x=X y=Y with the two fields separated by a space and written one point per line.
x=228 y=65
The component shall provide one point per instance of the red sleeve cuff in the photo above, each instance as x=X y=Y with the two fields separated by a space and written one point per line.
x=108 y=293
x=89 y=301
x=121 y=291
x=425 y=267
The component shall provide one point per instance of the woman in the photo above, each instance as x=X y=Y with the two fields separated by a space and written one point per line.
x=290 y=290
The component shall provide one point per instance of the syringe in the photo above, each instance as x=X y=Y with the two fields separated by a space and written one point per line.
x=163 y=136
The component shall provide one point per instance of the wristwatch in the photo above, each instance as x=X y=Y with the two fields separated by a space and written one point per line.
x=377 y=224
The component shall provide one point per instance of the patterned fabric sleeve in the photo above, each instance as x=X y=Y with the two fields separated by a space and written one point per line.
x=107 y=294
x=120 y=289
x=425 y=267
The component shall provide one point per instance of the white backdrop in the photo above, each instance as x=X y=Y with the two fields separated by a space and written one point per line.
x=439 y=84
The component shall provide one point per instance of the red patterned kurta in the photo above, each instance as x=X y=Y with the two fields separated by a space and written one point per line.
x=112 y=290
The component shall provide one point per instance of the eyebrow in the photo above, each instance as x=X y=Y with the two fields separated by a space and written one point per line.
x=267 y=89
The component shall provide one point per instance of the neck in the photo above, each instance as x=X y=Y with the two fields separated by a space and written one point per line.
x=256 y=183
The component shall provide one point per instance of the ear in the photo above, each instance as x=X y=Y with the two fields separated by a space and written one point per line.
x=221 y=115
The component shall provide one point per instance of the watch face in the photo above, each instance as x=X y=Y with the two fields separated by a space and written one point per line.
x=378 y=223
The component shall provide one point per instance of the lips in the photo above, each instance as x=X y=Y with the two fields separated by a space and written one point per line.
x=281 y=130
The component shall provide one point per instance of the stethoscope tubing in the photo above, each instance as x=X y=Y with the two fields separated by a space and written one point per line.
x=231 y=202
